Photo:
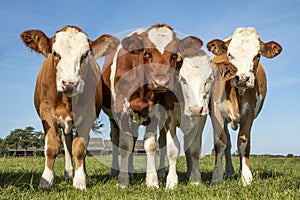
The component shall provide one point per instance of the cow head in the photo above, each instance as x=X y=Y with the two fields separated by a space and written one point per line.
x=243 y=50
x=71 y=52
x=161 y=50
x=196 y=77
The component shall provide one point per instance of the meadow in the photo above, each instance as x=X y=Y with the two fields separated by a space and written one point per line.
x=274 y=178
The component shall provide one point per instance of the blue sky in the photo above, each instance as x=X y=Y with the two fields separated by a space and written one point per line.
x=276 y=129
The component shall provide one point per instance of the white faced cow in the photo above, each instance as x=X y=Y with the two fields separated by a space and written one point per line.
x=238 y=94
x=189 y=114
x=68 y=95
x=142 y=68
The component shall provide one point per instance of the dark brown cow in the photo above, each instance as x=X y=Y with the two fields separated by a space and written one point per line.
x=238 y=95
x=143 y=65
x=68 y=95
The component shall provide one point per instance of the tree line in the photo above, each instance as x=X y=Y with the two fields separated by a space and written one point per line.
x=21 y=139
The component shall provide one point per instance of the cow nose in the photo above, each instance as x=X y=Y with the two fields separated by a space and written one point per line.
x=196 y=110
x=161 y=82
x=69 y=84
x=242 y=80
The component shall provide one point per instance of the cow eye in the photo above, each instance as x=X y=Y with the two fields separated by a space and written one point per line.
x=84 y=56
x=147 y=55
x=174 y=57
x=56 y=55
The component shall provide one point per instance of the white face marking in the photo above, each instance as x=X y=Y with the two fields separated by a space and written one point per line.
x=160 y=37
x=196 y=81
x=244 y=46
x=70 y=45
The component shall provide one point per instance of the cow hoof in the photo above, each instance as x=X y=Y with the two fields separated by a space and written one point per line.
x=171 y=182
x=123 y=179
x=229 y=173
x=161 y=173
x=79 y=181
x=114 y=173
x=47 y=179
x=217 y=176
x=68 y=174
x=246 y=177
x=152 y=181
x=45 y=184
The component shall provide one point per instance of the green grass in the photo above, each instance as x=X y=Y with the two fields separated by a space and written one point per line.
x=274 y=178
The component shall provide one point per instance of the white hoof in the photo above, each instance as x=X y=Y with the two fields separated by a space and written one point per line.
x=79 y=181
x=172 y=181
x=152 y=180
x=246 y=176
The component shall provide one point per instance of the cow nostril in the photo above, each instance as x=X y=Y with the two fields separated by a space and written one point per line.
x=247 y=79
x=201 y=110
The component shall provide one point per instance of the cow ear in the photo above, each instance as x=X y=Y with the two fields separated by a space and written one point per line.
x=217 y=47
x=133 y=44
x=37 y=41
x=227 y=70
x=104 y=45
x=189 y=46
x=270 y=49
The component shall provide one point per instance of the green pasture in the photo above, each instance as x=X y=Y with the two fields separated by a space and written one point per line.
x=274 y=178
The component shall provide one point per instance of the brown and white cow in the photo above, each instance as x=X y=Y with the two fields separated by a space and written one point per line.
x=68 y=95
x=143 y=66
x=189 y=113
x=238 y=94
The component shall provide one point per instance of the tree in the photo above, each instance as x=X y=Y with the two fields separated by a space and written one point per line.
x=13 y=140
x=24 y=138
x=3 y=148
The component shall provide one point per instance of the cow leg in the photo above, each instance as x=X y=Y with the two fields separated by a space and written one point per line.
x=130 y=161
x=244 y=148
x=114 y=135
x=220 y=141
x=150 y=148
x=79 y=152
x=229 y=167
x=67 y=142
x=126 y=146
x=127 y=133
x=173 y=150
x=52 y=144
x=192 y=145
x=162 y=153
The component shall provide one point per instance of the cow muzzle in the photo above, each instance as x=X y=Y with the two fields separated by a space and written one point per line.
x=160 y=83
x=70 y=87
x=196 y=111
x=243 y=81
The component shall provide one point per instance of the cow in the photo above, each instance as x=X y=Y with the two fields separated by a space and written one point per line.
x=189 y=113
x=141 y=69
x=68 y=95
x=238 y=94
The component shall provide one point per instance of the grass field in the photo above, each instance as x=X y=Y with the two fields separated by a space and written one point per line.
x=274 y=178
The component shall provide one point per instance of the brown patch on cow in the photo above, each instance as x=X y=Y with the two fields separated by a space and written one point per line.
x=270 y=49
x=37 y=41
